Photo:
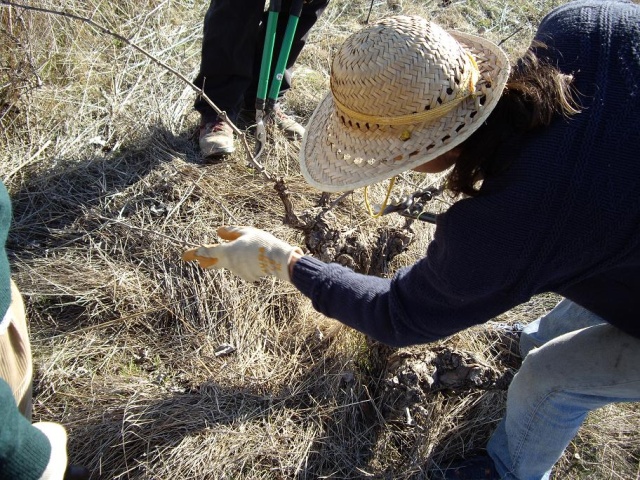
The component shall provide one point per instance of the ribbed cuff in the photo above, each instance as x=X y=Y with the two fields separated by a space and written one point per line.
x=24 y=450
x=305 y=272
x=29 y=449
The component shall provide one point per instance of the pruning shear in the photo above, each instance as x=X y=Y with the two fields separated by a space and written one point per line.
x=265 y=101
x=413 y=206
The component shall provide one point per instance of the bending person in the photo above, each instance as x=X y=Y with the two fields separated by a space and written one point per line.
x=546 y=156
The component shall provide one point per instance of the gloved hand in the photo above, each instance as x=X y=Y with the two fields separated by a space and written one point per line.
x=250 y=253
x=57 y=467
x=57 y=436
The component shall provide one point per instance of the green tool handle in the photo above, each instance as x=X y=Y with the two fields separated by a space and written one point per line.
x=267 y=53
x=281 y=65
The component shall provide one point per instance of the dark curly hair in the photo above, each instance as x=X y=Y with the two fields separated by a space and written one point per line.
x=535 y=93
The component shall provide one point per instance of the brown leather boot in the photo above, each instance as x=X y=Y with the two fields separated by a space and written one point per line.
x=216 y=138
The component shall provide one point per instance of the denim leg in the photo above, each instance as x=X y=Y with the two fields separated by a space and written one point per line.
x=565 y=317
x=554 y=390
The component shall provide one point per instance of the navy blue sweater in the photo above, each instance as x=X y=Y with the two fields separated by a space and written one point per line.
x=564 y=218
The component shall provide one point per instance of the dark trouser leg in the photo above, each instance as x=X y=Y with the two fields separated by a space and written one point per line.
x=230 y=35
x=311 y=11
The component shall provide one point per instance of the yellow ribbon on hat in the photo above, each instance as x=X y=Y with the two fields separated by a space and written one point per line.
x=419 y=117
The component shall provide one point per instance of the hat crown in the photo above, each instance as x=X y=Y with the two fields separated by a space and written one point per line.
x=400 y=66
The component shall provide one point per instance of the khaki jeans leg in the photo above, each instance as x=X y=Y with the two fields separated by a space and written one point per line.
x=16 y=366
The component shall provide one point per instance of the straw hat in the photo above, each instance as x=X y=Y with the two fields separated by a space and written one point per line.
x=403 y=91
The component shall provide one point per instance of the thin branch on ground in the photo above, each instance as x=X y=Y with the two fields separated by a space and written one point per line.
x=182 y=243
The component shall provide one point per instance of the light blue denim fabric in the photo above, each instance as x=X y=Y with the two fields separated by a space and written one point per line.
x=575 y=363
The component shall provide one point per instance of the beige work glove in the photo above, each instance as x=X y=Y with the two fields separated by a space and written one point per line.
x=250 y=253
x=57 y=436
x=57 y=467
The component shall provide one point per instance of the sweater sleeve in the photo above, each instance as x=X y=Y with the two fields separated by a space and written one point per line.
x=24 y=449
x=465 y=279
x=562 y=218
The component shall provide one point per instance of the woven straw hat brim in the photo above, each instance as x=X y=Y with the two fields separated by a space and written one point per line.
x=339 y=156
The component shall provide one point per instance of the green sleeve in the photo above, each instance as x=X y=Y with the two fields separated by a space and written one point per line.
x=24 y=450
x=5 y=223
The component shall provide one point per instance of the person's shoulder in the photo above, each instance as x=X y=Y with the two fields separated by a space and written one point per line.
x=573 y=32
x=590 y=9
x=574 y=5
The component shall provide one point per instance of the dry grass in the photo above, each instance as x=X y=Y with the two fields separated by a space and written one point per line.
x=107 y=185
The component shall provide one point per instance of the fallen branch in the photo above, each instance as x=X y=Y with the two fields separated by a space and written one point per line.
x=182 y=243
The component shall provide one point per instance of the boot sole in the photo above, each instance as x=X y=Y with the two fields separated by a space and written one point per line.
x=217 y=152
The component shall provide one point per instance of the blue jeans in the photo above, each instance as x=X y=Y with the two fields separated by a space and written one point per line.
x=574 y=362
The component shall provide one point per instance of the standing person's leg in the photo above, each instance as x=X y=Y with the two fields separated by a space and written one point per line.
x=229 y=41
x=230 y=36
x=554 y=390
x=311 y=11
